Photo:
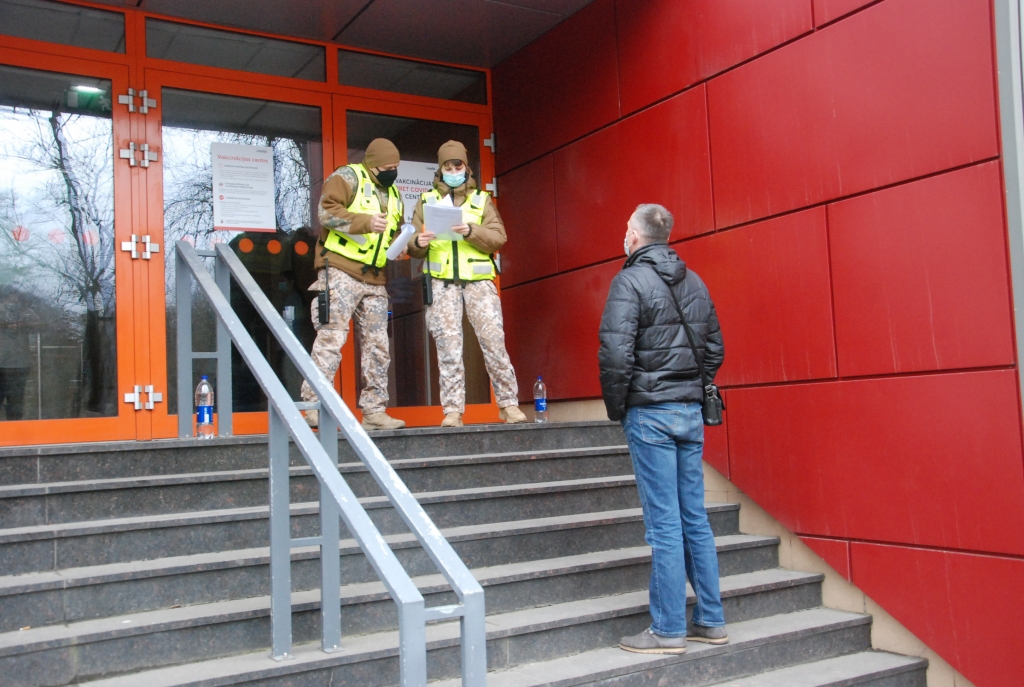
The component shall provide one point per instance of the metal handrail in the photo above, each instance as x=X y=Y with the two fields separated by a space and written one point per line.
x=336 y=498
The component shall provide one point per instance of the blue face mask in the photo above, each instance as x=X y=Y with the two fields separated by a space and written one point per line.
x=454 y=180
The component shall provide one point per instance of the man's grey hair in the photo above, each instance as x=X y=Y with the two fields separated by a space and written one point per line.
x=654 y=222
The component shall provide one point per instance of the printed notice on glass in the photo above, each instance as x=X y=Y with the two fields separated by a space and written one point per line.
x=243 y=187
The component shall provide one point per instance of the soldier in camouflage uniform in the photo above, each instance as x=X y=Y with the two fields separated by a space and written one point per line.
x=463 y=275
x=360 y=211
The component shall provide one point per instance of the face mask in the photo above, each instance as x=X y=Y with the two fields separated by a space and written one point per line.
x=386 y=177
x=454 y=180
x=625 y=244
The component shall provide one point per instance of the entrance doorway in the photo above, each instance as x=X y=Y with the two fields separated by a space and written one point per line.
x=99 y=181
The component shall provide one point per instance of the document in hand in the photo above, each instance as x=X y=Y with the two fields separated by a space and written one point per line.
x=439 y=220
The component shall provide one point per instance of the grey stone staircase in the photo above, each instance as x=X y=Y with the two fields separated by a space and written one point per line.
x=145 y=564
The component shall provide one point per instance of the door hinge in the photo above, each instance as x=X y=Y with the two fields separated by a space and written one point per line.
x=147 y=102
x=143 y=159
x=135 y=397
x=492 y=187
x=492 y=143
x=149 y=247
x=129 y=100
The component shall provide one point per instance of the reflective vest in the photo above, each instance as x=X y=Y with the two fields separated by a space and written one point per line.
x=367 y=248
x=459 y=260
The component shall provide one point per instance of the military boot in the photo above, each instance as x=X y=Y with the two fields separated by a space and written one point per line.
x=381 y=420
x=452 y=420
x=511 y=415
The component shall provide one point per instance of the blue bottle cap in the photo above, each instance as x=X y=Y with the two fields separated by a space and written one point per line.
x=204 y=378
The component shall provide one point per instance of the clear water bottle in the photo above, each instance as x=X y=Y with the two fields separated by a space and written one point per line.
x=540 y=401
x=204 y=409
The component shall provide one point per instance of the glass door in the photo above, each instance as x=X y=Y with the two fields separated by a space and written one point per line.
x=197 y=116
x=67 y=354
x=418 y=132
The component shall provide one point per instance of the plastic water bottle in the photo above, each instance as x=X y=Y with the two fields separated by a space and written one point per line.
x=204 y=409
x=540 y=401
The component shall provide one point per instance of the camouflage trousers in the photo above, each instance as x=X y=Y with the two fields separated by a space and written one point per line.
x=444 y=321
x=367 y=305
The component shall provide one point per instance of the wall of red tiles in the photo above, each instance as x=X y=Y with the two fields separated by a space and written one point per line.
x=833 y=167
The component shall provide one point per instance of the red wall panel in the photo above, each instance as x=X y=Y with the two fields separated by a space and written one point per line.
x=716 y=443
x=527 y=206
x=920 y=276
x=968 y=608
x=555 y=331
x=667 y=45
x=658 y=156
x=899 y=90
x=558 y=88
x=770 y=285
x=835 y=552
x=931 y=460
x=830 y=10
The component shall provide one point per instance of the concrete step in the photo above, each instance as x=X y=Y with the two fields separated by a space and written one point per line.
x=94 y=648
x=101 y=542
x=48 y=598
x=111 y=460
x=97 y=499
x=531 y=647
x=874 y=668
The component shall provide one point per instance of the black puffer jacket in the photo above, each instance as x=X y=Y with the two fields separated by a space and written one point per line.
x=645 y=357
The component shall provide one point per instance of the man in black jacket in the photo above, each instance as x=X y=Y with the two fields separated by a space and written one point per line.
x=651 y=383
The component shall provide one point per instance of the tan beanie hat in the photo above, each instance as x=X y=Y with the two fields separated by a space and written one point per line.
x=380 y=152
x=452 y=150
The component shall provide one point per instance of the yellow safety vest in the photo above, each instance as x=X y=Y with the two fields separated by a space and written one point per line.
x=459 y=260
x=367 y=248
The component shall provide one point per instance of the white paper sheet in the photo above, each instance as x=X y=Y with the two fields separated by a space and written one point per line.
x=439 y=219
x=400 y=242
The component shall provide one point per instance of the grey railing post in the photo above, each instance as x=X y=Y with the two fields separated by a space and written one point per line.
x=280 y=539
x=412 y=643
x=183 y=298
x=330 y=536
x=224 y=399
x=474 y=639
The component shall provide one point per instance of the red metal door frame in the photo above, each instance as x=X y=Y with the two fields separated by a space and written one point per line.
x=124 y=424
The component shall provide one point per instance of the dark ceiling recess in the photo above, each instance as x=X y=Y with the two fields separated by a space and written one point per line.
x=478 y=33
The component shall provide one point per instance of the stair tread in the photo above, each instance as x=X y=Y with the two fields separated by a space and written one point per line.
x=54 y=530
x=839 y=670
x=165 y=619
x=578 y=669
x=256 y=665
x=142 y=481
x=160 y=567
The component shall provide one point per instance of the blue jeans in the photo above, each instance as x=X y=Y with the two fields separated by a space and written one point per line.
x=666 y=441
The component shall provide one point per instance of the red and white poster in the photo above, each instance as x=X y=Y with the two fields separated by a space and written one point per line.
x=243 y=187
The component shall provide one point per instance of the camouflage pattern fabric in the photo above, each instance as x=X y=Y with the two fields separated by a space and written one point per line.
x=367 y=304
x=444 y=321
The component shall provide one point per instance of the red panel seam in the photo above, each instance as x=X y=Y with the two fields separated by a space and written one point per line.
x=831 y=291
x=916 y=547
x=711 y=157
x=891 y=375
x=706 y=80
x=858 y=194
x=844 y=16
x=771 y=217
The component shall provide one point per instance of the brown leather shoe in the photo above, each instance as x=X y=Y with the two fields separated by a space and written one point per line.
x=377 y=421
x=511 y=415
x=452 y=420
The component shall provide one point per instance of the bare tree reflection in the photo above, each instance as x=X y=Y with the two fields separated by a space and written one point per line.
x=57 y=235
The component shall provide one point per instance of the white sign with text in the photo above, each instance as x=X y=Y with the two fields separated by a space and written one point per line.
x=414 y=179
x=243 y=187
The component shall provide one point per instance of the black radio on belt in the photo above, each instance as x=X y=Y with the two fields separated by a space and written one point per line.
x=428 y=290
x=323 y=300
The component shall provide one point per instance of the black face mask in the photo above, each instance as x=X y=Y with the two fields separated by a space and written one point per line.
x=386 y=177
